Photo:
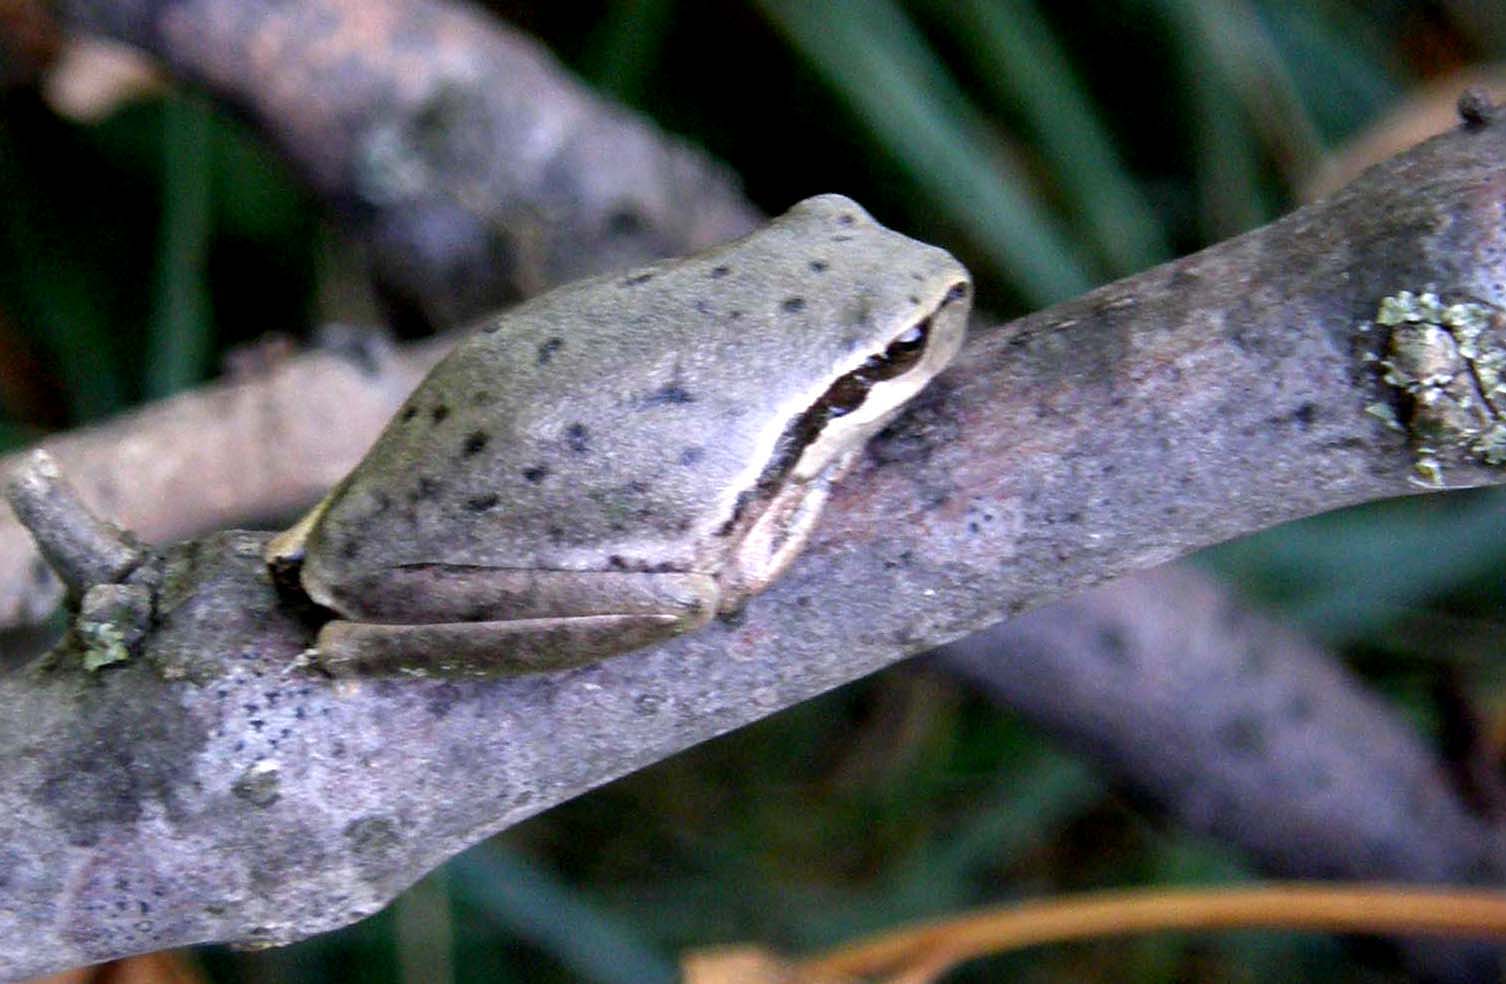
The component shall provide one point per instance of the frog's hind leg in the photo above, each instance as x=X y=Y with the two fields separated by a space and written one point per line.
x=487 y=648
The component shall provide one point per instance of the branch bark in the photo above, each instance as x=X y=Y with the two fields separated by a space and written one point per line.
x=235 y=797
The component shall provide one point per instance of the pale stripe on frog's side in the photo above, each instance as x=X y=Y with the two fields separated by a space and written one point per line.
x=619 y=460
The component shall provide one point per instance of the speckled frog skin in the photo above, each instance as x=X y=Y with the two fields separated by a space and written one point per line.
x=620 y=460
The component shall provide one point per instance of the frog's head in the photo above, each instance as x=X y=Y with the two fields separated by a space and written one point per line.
x=903 y=316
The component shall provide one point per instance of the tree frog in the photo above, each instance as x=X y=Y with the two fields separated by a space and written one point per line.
x=620 y=460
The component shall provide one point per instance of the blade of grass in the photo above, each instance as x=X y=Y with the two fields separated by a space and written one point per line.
x=14 y=435
x=1230 y=198
x=623 y=49
x=424 y=932
x=1232 y=42
x=880 y=66
x=56 y=294
x=1182 y=860
x=1338 y=63
x=523 y=899
x=1225 y=162
x=1306 y=906
x=1023 y=66
x=1025 y=808
x=1359 y=568
x=178 y=342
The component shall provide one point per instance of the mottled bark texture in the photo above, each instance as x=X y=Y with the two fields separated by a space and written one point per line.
x=209 y=789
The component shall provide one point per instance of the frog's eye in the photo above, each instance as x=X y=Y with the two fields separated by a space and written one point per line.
x=901 y=355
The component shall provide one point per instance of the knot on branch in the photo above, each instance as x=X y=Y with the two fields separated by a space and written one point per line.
x=1476 y=108
x=82 y=548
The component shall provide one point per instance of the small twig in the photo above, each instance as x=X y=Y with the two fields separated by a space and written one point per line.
x=1295 y=906
x=82 y=548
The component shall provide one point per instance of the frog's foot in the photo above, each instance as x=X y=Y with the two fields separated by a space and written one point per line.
x=508 y=648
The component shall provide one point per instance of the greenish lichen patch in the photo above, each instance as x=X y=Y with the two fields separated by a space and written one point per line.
x=258 y=784
x=111 y=622
x=1446 y=365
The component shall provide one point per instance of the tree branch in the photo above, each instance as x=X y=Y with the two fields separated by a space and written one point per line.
x=236 y=797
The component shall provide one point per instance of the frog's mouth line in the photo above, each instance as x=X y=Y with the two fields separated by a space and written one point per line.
x=844 y=396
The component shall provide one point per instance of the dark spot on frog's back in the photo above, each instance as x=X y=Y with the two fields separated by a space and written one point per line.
x=793 y=305
x=547 y=349
x=718 y=272
x=482 y=503
x=536 y=474
x=818 y=266
x=475 y=443
x=408 y=414
x=439 y=413
x=578 y=438
x=692 y=456
x=638 y=278
x=847 y=218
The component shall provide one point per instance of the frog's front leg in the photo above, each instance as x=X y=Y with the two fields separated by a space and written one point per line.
x=442 y=620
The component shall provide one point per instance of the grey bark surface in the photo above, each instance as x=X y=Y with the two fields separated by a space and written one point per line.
x=211 y=790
